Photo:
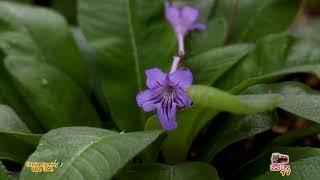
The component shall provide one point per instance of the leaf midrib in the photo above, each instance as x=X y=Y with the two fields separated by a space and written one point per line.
x=241 y=86
x=81 y=151
x=135 y=55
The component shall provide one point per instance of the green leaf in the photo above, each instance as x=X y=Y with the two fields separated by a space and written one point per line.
x=10 y=121
x=59 y=48
x=54 y=97
x=16 y=140
x=294 y=93
x=297 y=99
x=177 y=143
x=209 y=66
x=3 y=172
x=304 y=169
x=213 y=98
x=285 y=88
x=87 y=153
x=22 y=41
x=129 y=37
x=250 y=19
x=275 y=56
x=9 y=94
x=304 y=163
x=186 y=171
x=208 y=102
x=237 y=128
x=201 y=41
x=89 y=54
x=234 y=129
x=306 y=106
x=294 y=135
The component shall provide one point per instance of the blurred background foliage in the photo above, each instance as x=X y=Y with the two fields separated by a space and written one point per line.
x=307 y=24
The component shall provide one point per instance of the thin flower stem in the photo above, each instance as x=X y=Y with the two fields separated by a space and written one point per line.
x=175 y=64
x=181 y=44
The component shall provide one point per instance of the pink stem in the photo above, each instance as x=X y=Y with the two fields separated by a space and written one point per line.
x=175 y=64
x=181 y=44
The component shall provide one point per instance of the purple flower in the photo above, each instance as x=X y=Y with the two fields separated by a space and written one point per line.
x=166 y=91
x=183 y=20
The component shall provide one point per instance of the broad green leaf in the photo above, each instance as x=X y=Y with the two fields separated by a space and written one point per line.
x=213 y=98
x=251 y=19
x=304 y=164
x=201 y=41
x=294 y=135
x=51 y=34
x=53 y=96
x=306 y=106
x=87 y=153
x=285 y=88
x=16 y=140
x=234 y=129
x=151 y=154
x=129 y=36
x=293 y=92
x=15 y=40
x=208 y=102
x=247 y=126
x=297 y=99
x=10 y=121
x=3 y=172
x=21 y=47
x=9 y=94
x=186 y=171
x=209 y=66
x=303 y=169
x=177 y=143
x=274 y=57
x=90 y=56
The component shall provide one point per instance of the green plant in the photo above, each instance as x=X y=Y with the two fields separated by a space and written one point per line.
x=73 y=99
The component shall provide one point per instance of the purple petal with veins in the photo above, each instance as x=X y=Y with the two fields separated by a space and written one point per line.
x=165 y=93
x=155 y=77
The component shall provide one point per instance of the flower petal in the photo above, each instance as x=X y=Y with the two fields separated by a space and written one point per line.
x=199 y=26
x=173 y=15
x=182 y=99
x=167 y=114
x=189 y=16
x=182 y=78
x=148 y=100
x=155 y=77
